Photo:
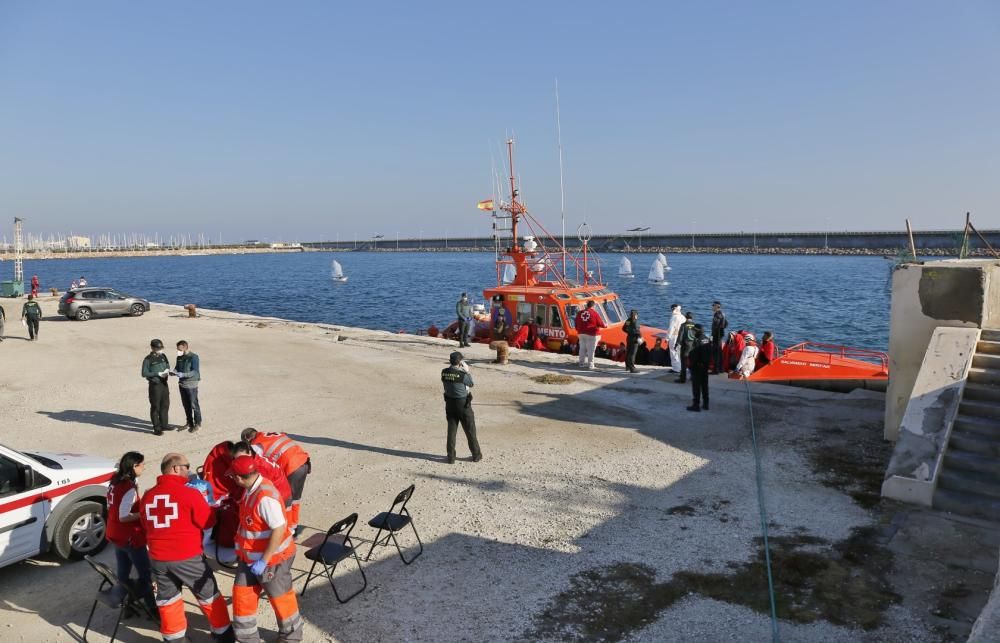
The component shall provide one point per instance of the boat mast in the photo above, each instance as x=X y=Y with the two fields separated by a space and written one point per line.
x=562 y=192
x=515 y=207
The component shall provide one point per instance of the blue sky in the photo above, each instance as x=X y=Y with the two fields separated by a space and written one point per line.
x=306 y=120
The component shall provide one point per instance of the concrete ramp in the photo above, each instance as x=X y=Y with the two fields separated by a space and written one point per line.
x=931 y=410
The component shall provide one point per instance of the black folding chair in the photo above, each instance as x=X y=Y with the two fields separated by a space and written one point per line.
x=116 y=595
x=336 y=546
x=392 y=521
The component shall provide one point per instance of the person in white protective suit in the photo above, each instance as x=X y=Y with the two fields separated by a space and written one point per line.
x=748 y=360
x=676 y=319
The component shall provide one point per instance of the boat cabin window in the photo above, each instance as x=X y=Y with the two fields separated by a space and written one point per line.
x=525 y=313
x=580 y=295
x=599 y=307
x=555 y=321
x=562 y=295
x=571 y=311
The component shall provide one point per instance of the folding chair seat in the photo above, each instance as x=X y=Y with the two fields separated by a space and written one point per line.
x=115 y=595
x=394 y=521
x=335 y=547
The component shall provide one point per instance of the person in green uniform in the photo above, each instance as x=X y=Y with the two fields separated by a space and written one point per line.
x=633 y=337
x=458 y=406
x=686 y=337
x=156 y=370
x=31 y=313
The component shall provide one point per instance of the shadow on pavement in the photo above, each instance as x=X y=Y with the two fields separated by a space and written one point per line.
x=100 y=418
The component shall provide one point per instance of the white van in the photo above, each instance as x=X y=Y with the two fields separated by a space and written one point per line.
x=52 y=501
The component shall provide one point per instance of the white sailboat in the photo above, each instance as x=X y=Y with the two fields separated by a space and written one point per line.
x=656 y=274
x=662 y=258
x=337 y=272
x=625 y=268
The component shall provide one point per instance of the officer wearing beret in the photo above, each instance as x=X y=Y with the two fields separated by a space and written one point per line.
x=458 y=405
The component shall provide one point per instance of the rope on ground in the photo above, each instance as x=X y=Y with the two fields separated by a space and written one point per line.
x=775 y=633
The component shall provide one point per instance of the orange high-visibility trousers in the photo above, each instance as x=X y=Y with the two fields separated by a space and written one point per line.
x=246 y=593
x=170 y=577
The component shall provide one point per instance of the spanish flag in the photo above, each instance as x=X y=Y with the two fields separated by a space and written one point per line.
x=486 y=205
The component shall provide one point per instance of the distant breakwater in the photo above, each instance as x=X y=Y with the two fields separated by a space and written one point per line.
x=928 y=243
x=889 y=253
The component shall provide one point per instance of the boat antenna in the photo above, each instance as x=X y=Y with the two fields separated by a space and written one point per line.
x=562 y=191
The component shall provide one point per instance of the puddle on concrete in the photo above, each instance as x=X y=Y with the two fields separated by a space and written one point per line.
x=854 y=464
x=844 y=583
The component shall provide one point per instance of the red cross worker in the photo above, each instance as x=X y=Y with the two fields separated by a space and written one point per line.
x=174 y=516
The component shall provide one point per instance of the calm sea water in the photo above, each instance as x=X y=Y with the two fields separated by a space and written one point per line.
x=841 y=300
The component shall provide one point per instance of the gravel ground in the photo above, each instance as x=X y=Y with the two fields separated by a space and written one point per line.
x=605 y=471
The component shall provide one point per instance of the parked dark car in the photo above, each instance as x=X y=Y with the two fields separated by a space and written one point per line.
x=84 y=303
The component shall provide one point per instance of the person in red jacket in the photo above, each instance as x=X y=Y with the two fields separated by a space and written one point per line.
x=293 y=460
x=123 y=530
x=34 y=285
x=215 y=471
x=768 y=350
x=588 y=326
x=173 y=516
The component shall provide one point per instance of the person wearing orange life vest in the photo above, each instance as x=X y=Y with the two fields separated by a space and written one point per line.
x=293 y=460
x=265 y=549
x=173 y=516
x=271 y=472
x=768 y=350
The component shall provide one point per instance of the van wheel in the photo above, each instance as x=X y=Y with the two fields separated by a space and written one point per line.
x=83 y=314
x=81 y=531
x=137 y=310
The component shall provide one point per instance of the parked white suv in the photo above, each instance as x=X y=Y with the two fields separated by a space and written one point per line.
x=51 y=501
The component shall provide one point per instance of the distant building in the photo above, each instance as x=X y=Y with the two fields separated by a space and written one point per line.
x=77 y=243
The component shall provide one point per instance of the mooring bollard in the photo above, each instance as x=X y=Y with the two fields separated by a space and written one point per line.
x=54 y=291
x=192 y=310
x=502 y=348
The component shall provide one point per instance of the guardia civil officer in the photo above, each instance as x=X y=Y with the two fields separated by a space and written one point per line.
x=156 y=370
x=458 y=405
x=31 y=313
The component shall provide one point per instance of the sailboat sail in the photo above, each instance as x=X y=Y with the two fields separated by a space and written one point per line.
x=656 y=273
x=337 y=272
x=662 y=259
x=625 y=268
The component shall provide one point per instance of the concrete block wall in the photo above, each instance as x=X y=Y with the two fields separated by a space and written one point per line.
x=950 y=293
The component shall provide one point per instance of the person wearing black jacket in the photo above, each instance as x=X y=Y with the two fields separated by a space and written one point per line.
x=633 y=336
x=699 y=358
x=156 y=370
x=719 y=326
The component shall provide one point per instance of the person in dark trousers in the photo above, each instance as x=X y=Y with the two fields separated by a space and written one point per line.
x=699 y=359
x=463 y=310
x=719 y=325
x=31 y=313
x=156 y=370
x=458 y=405
x=187 y=369
x=3 y=318
x=685 y=339
x=633 y=337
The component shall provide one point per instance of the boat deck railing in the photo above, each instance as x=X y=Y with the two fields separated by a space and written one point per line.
x=831 y=351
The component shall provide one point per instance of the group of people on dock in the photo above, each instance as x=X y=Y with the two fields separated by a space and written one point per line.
x=246 y=498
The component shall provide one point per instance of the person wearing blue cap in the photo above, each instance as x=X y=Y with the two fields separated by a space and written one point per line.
x=458 y=405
